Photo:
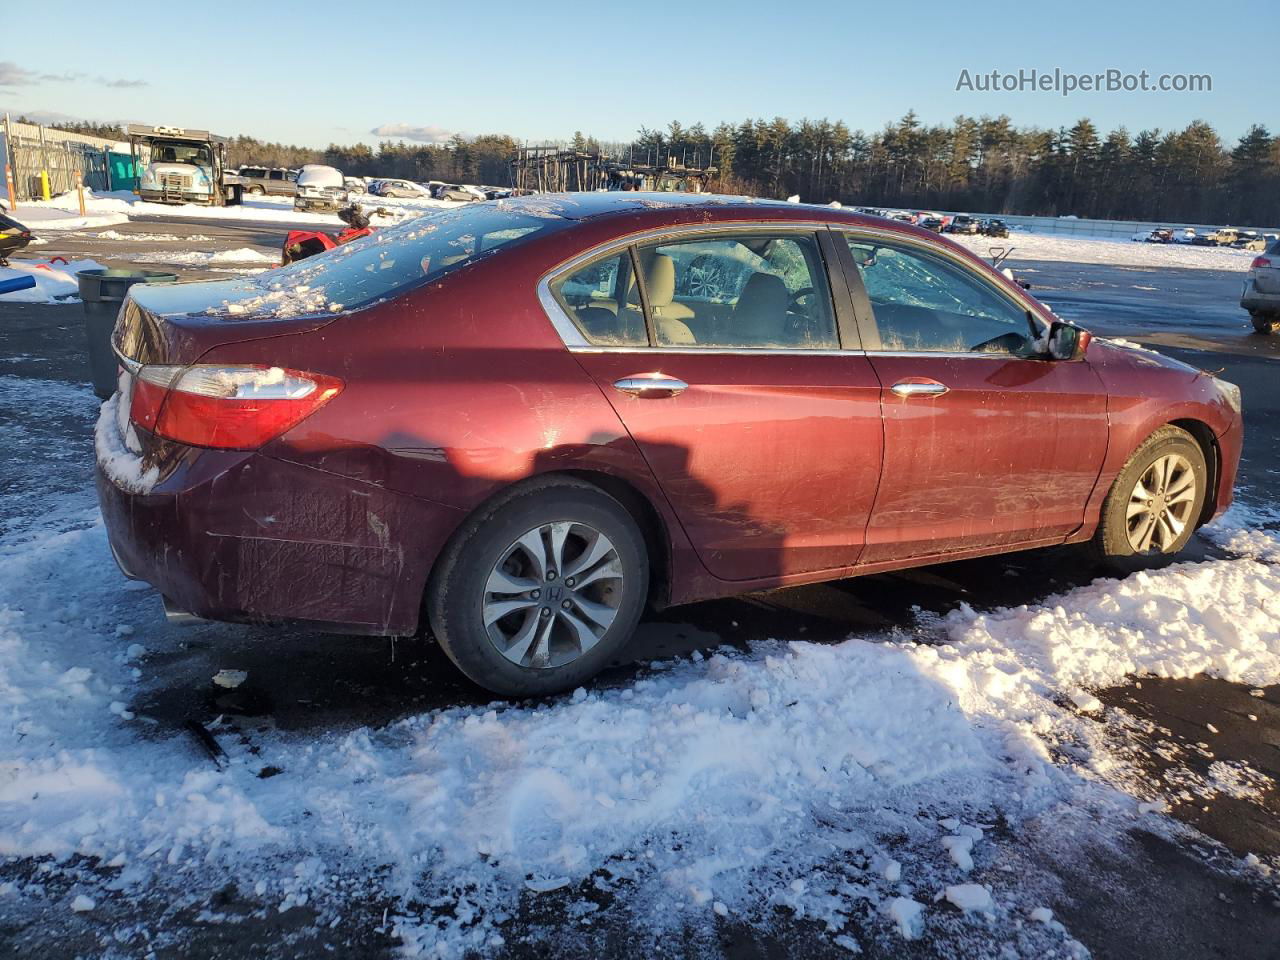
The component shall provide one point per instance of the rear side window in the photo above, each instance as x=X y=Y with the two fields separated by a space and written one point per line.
x=740 y=292
x=603 y=300
x=398 y=258
x=924 y=302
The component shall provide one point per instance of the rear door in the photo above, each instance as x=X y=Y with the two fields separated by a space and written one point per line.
x=986 y=444
x=749 y=398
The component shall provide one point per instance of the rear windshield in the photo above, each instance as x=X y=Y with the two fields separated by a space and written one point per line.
x=395 y=259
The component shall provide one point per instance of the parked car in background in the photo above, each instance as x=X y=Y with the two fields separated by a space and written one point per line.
x=1261 y=294
x=277 y=181
x=1223 y=237
x=355 y=185
x=994 y=228
x=1185 y=235
x=329 y=457
x=460 y=191
x=404 y=189
x=964 y=224
x=1250 y=240
x=320 y=188
x=932 y=223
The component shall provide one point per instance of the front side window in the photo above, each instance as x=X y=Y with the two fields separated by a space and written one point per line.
x=603 y=301
x=741 y=291
x=924 y=302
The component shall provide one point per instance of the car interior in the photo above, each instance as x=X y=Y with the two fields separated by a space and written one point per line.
x=724 y=292
x=923 y=304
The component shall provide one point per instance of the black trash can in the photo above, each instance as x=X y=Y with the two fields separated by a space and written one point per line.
x=102 y=292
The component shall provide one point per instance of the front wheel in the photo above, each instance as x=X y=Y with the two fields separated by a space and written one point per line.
x=538 y=592
x=1265 y=323
x=1155 y=503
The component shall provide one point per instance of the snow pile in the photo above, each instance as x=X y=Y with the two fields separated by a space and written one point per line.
x=1218 y=618
x=200 y=258
x=1242 y=530
x=55 y=281
x=1109 y=251
x=117 y=449
x=146 y=237
x=118 y=206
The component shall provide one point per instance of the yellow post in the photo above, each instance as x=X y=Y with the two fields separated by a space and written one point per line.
x=44 y=185
x=80 y=190
x=8 y=182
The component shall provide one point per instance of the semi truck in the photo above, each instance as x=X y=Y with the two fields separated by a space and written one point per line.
x=180 y=165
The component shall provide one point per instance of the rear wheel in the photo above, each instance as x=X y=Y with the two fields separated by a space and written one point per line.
x=1155 y=502
x=1265 y=322
x=255 y=189
x=541 y=590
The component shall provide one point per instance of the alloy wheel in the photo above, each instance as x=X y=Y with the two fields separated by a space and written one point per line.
x=552 y=595
x=1160 y=504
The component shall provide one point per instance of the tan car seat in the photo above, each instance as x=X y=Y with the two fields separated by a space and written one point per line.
x=668 y=316
x=760 y=316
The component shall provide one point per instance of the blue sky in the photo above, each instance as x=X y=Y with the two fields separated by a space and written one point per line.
x=323 y=71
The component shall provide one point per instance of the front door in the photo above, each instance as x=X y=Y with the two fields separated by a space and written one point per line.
x=986 y=443
x=724 y=362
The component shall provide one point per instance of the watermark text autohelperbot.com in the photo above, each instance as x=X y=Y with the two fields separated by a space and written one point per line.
x=1065 y=83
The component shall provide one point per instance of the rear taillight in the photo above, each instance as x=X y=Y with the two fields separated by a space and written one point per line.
x=227 y=407
x=1259 y=263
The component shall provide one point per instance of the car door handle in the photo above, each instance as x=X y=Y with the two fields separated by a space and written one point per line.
x=919 y=387
x=651 y=385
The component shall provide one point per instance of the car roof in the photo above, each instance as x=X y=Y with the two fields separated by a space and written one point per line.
x=605 y=205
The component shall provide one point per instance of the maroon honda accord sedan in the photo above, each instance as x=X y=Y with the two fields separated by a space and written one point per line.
x=518 y=423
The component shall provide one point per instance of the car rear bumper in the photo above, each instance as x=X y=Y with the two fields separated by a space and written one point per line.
x=1254 y=299
x=247 y=538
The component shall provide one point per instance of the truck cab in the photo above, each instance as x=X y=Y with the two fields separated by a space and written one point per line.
x=182 y=166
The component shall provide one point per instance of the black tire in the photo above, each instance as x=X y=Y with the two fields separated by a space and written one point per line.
x=255 y=189
x=1111 y=544
x=456 y=590
x=1265 y=323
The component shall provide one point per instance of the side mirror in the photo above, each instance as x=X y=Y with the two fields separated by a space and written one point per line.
x=1067 y=341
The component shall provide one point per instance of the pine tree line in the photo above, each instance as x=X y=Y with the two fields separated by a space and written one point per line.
x=986 y=164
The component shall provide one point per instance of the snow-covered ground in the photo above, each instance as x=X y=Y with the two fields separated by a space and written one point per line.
x=54 y=282
x=1110 y=251
x=888 y=779
x=119 y=206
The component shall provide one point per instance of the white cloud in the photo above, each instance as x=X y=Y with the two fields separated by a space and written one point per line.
x=407 y=131
x=12 y=75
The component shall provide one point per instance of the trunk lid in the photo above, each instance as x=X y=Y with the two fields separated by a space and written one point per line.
x=177 y=323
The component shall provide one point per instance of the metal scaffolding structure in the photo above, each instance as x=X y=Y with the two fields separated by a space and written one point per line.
x=556 y=170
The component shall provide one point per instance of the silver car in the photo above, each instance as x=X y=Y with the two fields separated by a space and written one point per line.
x=1261 y=296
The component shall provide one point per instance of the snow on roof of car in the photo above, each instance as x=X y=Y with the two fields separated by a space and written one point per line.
x=581 y=206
